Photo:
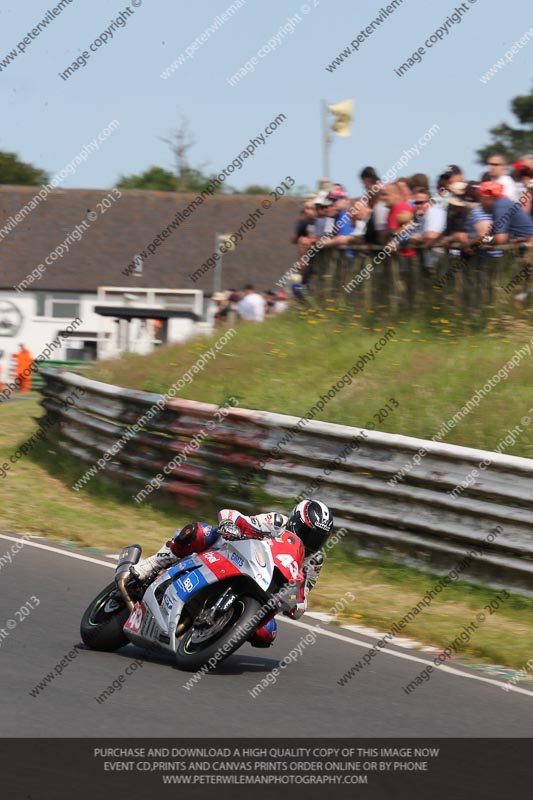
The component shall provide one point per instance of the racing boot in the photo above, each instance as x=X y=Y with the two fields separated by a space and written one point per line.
x=148 y=568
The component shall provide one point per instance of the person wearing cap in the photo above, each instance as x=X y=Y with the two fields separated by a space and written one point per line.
x=510 y=221
x=456 y=212
x=497 y=169
x=478 y=227
x=222 y=307
x=377 y=222
x=343 y=229
x=450 y=183
x=305 y=237
x=323 y=224
x=304 y=230
x=451 y=174
x=478 y=221
x=325 y=213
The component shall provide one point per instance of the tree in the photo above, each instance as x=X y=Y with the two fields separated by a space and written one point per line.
x=180 y=142
x=512 y=142
x=256 y=188
x=155 y=179
x=16 y=172
x=185 y=179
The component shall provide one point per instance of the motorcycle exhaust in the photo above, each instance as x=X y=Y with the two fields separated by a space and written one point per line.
x=128 y=557
x=121 y=583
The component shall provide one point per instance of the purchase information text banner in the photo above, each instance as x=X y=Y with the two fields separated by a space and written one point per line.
x=261 y=768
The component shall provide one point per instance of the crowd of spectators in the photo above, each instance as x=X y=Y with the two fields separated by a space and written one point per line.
x=461 y=216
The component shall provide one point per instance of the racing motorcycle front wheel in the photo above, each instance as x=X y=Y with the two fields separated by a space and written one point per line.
x=103 y=622
x=218 y=640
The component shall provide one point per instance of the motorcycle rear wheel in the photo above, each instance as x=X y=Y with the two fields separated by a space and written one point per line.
x=191 y=656
x=101 y=629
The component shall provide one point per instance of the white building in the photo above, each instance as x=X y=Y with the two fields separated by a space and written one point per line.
x=86 y=326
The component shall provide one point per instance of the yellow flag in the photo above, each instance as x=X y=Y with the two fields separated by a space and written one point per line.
x=224 y=238
x=344 y=114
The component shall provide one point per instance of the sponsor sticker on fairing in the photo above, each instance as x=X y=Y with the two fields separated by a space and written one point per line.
x=188 y=582
x=237 y=559
x=169 y=602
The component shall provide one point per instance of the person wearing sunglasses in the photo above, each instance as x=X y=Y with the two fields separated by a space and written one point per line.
x=497 y=169
x=431 y=219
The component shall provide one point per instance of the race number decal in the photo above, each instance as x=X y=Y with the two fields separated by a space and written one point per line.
x=135 y=619
x=289 y=563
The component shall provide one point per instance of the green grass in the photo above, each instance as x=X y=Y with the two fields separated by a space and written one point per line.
x=431 y=369
x=37 y=496
x=384 y=592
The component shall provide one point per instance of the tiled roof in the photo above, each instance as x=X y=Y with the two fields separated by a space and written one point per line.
x=128 y=226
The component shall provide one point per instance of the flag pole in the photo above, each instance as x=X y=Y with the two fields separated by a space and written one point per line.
x=326 y=139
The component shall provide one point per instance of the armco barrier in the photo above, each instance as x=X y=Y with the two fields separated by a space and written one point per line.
x=415 y=521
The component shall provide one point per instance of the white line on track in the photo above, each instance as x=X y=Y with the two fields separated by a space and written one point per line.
x=321 y=631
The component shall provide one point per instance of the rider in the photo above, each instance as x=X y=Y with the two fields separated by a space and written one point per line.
x=310 y=520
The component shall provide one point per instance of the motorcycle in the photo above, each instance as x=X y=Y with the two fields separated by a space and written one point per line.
x=203 y=608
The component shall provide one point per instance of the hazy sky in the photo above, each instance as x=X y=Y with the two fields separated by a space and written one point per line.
x=47 y=120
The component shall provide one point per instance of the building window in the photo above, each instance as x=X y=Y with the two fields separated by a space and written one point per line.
x=83 y=350
x=65 y=309
x=62 y=306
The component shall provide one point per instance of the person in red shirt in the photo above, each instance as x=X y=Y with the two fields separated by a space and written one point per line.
x=400 y=215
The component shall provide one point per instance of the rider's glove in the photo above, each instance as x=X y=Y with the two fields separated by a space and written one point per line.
x=297 y=610
x=312 y=566
x=229 y=530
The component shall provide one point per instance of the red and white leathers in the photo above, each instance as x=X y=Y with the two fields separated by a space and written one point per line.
x=199 y=536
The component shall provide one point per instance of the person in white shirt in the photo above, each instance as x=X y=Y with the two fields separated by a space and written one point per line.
x=431 y=219
x=497 y=167
x=252 y=306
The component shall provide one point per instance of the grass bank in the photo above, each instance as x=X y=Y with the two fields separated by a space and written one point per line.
x=431 y=368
